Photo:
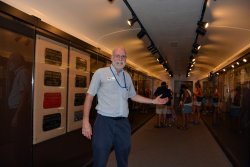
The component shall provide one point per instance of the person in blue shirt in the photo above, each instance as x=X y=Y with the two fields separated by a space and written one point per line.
x=113 y=87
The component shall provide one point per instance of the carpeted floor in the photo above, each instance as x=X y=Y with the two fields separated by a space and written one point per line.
x=171 y=147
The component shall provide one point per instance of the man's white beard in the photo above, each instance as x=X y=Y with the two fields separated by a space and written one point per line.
x=119 y=64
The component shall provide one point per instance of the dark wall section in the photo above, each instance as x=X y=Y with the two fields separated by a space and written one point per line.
x=16 y=60
x=71 y=149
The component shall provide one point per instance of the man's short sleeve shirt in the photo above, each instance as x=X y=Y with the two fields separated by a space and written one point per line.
x=112 y=92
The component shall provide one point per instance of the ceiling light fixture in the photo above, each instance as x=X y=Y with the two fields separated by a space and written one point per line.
x=201 y=29
x=141 y=33
x=196 y=46
x=203 y=24
x=151 y=47
x=132 y=21
x=194 y=51
x=160 y=60
x=165 y=65
x=192 y=59
x=154 y=51
x=170 y=73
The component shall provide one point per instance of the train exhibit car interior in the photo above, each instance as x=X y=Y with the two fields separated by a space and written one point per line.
x=49 y=51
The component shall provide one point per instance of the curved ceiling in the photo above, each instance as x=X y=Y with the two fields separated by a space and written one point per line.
x=171 y=25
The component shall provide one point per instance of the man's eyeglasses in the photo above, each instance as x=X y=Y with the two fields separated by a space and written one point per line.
x=120 y=56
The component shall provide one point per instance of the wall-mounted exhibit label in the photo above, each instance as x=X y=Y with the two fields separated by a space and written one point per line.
x=79 y=99
x=81 y=64
x=78 y=115
x=51 y=121
x=52 y=78
x=53 y=57
x=52 y=100
x=79 y=77
x=80 y=81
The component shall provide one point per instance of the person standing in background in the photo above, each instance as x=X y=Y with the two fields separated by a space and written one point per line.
x=170 y=116
x=198 y=97
x=161 y=110
x=186 y=106
x=113 y=87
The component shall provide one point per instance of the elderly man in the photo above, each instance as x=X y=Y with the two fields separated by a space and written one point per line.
x=113 y=87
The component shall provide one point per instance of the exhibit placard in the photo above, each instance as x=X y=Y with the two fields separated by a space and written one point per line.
x=50 y=89
x=79 y=76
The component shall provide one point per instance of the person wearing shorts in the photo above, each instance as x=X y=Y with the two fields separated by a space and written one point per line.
x=186 y=105
x=161 y=110
x=198 y=97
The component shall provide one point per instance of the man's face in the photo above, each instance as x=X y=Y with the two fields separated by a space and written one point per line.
x=119 y=58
